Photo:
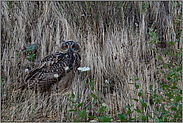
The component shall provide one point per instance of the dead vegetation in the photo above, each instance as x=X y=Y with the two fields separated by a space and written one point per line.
x=115 y=45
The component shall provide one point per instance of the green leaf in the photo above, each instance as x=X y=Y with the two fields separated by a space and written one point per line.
x=172 y=104
x=72 y=110
x=162 y=71
x=144 y=118
x=137 y=86
x=135 y=99
x=127 y=106
x=92 y=83
x=170 y=53
x=92 y=117
x=178 y=98
x=144 y=105
x=165 y=86
x=168 y=77
x=138 y=110
x=179 y=109
x=82 y=114
x=92 y=88
x=169 y=95
x=138 y=83
x=122 y=117
x=80 y=104
x=180 y=31
x=180 y=49
x=101 y=109
x=177 y=40
x=176 y=90
x=159 y=113
x=71 y=100
x=139 y=94
x=179 y=55
x=150 y=42
x=131 y=120
x=155 y=91
x=157 y=41
x=175 y=116
x=159 y=57
x=172 y=73
x=151 y=29
x=165 y=65
x=165 y=120
x=28 y=59
x=73 y=96
x=171 y=43
x=165 y=51
x=172 y=34
x=180 y=68
x=155 y=50
x=105 y=119
x=174 y=87
x=93 y=95
x=142 y=101
x=149 y=115
x=129 y=111
x=173 y=108
x=157 y=101
x=99 y=91
x=31 y=47
x=150 y=87
x=136 y=79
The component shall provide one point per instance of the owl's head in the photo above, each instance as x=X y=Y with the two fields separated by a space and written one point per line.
x=70 y=46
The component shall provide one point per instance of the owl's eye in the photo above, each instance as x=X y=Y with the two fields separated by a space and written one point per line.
x=73 y=47
x=66 y=47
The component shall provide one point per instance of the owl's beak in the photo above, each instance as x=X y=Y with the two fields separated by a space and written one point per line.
x=69 y=50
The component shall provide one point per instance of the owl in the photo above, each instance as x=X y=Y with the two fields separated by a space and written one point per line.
x=56 y=69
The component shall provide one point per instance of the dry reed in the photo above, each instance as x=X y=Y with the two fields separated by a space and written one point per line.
x=114 y=38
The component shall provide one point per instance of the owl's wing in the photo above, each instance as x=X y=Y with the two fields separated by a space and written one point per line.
x=46 y=68
x=44 y=72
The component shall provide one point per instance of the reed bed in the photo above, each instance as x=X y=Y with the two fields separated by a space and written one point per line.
x=115 y=44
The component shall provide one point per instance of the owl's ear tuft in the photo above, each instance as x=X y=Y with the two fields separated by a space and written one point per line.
x=63 y=45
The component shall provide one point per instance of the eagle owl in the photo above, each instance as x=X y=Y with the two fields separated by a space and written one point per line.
x=58 y=68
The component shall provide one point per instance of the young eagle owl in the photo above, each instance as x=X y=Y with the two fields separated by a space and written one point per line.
x=58 y=68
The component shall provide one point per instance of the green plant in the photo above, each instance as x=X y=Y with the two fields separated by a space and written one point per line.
x=169 y=101
x=171 y=109
x=144 y=7
x=153 y=38
x=170 y=105
x=18 y=59
x=31 y=56
x=2 y=83
x=141 y=114
x=76 y=104
x=177 y=18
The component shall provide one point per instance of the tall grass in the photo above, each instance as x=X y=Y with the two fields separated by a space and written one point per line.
x=115 y=44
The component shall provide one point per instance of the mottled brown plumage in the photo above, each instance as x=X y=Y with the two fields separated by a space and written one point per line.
x=43 y=74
